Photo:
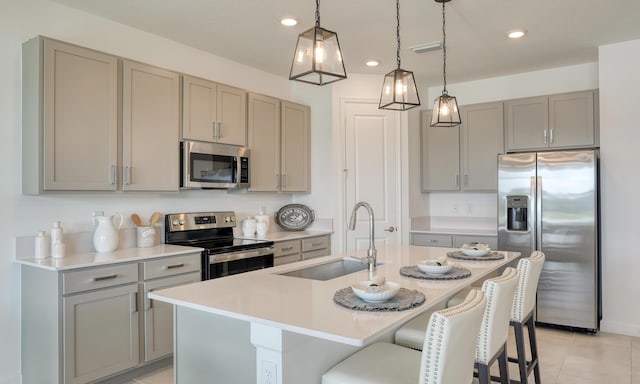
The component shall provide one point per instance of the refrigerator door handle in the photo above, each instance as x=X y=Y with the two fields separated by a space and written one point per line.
x=538 y=195
x=532 y=209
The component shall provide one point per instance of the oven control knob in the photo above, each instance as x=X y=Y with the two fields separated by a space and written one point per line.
x=232 y=219
x=175 y=222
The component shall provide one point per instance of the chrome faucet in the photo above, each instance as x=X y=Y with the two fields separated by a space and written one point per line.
x=371 y=253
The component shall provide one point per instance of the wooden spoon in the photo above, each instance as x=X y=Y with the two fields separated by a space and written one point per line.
x=154 y=218
x=136 y=220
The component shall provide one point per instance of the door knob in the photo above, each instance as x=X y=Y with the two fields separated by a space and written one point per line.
x=391 y=229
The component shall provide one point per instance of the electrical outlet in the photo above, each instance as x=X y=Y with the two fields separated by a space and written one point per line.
x=269 y=375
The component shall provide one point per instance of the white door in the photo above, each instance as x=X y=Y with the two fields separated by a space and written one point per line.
x=372 y=172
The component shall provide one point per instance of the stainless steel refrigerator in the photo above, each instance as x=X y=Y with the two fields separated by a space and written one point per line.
x=548 y=201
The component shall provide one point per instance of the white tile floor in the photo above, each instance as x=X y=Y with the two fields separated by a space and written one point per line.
x=565 y=358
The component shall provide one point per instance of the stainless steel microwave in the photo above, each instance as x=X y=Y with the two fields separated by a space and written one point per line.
x=210 y=165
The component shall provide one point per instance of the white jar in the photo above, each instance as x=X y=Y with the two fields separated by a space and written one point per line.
x=249 y=227
x=58 y=250
x=41 y=246
x=262 y=224
x=145 y=237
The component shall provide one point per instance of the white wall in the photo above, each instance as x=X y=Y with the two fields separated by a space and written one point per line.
x=21 y=20
x=619 y=139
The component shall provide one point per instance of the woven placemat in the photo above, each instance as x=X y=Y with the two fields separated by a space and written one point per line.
x=461 y=256
x=454 y=274
x=404 y=299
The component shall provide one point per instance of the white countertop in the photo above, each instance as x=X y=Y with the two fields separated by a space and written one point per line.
x=286 y=235
x=92 y=259
x=306 y=306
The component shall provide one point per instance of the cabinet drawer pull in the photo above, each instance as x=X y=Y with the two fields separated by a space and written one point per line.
x=431 y=241
x=175 y=266
x=316 y=244
x=287 y=248
x=103 y=278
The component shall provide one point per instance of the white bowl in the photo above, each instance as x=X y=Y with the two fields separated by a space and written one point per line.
x=431 y=267
x=374 y=293
x=475 y=249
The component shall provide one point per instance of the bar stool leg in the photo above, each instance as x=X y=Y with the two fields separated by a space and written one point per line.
x=534 y=349
x=520 y=351
x=483 y=374
x=502 y=364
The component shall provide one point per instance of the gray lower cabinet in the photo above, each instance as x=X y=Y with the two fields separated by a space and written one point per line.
x=100 y=331
x=84 y=325
x=451 y=240
x=290 y=251
x=158 y=316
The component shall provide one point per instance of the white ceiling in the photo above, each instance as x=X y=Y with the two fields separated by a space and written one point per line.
x=560 y=32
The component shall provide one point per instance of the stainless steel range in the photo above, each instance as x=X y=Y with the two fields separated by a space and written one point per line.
x=223 y=254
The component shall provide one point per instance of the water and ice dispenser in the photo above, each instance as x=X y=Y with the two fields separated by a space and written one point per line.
x=517 y=213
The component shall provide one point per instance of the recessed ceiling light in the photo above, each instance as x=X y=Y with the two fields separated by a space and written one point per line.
x=373 y=63
x=516 y=34
x=288 y=21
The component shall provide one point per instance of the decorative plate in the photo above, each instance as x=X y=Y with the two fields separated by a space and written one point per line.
x=294 y=217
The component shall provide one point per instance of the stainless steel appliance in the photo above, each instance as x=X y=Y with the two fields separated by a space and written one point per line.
x=210 y=165
x=549 y=201
x=223 y=255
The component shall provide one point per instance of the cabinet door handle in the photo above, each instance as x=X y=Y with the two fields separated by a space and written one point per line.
x=134 y=302
x=551 y=135
x=103 y=278
x=127 y=175
x=213 y=129
x=545 y=136
x=175 y=266
x=277 y=180
x=457 y=179
x=466 y=179
x=148 y=303
x=219 y=130
x=112 y=175
x=284 y=180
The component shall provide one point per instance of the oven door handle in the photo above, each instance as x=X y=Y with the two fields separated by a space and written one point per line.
x=230 y=256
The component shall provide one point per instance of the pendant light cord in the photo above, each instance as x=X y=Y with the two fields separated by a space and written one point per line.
x=317 y=13
x=398 y=32
x=444 y=51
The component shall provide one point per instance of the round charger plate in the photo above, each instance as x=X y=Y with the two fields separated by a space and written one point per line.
x=294 y=217
x=404 y=299
x=454 y=274
x=493 y=255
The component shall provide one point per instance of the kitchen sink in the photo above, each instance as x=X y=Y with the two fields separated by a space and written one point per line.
x=329 y=270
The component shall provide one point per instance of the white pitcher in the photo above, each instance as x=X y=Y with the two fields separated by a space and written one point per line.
x=105 y=238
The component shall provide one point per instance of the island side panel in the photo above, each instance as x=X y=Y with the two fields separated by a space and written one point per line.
x=212 y=349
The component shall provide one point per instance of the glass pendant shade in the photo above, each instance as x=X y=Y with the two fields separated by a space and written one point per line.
x=445 y=112
x=399 y=91
x=317 y=59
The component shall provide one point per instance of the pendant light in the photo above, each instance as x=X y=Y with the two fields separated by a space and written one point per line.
x=317 y=59
x=445 y=107
x=399 y=90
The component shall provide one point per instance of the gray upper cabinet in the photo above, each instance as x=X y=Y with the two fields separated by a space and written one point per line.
x=70 y=118
x=551 y=122
x=150 y=128
x=481 y=142
x=440 y=156
x=463 y=158
x=295 y=147
x=264 y=142
x=279 y=139
x=213 y=112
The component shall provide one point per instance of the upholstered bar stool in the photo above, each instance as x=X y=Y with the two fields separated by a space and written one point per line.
x=529 y=270
x=492 y=338
x=446 y=357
